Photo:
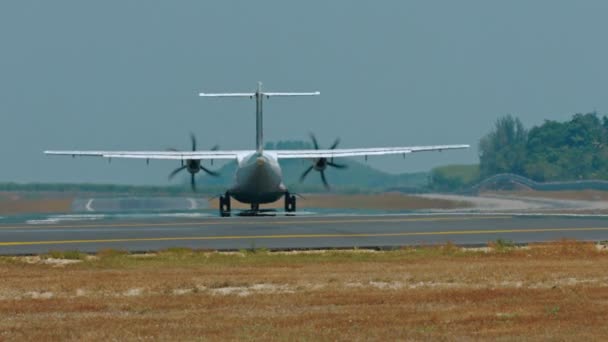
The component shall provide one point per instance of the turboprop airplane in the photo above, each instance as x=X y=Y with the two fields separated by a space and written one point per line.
x=259 y=178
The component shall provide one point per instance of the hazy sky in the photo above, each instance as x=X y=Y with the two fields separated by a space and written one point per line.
x=125 y=75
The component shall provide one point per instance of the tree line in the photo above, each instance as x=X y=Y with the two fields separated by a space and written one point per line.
x=553 y=151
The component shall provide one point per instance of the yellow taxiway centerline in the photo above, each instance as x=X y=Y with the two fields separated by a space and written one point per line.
x=238 y=222
x=303 y=236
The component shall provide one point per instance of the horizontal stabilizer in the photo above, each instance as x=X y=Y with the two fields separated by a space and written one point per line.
x=227 y=95
x=253 y=94
x=292 y=94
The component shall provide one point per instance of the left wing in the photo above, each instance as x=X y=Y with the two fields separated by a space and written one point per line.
x=355 y=152
x=169 y=155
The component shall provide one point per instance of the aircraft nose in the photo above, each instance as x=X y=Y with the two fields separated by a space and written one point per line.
x=260 y=161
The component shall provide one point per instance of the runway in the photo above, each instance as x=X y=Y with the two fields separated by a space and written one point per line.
x=300 y=232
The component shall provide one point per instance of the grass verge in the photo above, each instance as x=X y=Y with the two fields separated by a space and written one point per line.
x=557 y=290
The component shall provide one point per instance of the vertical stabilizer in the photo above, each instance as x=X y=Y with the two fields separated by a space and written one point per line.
x=259 y=104
x=259 y=119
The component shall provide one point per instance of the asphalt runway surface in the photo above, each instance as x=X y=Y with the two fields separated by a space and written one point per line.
x=136 y=234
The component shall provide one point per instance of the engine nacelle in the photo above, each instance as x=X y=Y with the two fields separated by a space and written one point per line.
x=320 y=164
x=193 y=165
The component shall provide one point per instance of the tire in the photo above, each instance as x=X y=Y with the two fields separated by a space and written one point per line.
x=225 y=206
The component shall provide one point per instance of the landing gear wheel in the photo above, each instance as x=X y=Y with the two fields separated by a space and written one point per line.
x=225 y=205
x=290 y=203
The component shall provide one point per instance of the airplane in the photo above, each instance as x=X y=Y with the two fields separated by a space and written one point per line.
x=259 y=177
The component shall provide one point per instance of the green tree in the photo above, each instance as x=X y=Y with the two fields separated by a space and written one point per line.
x=504 y=148
x=575 y=149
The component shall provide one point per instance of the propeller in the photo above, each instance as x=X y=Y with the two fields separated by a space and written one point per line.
x=320 y=164
x=193 y=166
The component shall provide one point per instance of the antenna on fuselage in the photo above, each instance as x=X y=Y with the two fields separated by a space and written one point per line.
x=259 y=100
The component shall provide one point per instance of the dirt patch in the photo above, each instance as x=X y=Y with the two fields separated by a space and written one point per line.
x=34 y=202
x=49 y=261
x=24 y=203
x=25 y=206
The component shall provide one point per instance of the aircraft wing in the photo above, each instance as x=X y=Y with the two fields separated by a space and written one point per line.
x=168 y=155
x=355 y=152
x=239 y=154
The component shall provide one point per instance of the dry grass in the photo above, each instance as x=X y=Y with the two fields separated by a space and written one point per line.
x=385 y=201
x=17 y=203
x=24 y=206
x=555 y=291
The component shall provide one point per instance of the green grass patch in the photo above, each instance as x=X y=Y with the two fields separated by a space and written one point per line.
x=502 y=245
x=111 y=253
x=262 y=257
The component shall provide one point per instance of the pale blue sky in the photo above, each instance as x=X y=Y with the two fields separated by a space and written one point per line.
x=125 y=75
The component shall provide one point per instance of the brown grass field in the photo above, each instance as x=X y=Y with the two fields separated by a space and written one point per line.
x=24 y=206
x=557 y=291
x=24 y=203
x=34 y=202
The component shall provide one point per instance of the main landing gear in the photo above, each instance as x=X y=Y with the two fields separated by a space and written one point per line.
x=225 y=205
x=290 y=203
x=290 y=206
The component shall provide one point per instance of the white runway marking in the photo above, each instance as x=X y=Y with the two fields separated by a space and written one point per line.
x=64 y=218
x=185 y=215
x=192 y=203
x=210 y=214
x=88 y=205
x=56 y=219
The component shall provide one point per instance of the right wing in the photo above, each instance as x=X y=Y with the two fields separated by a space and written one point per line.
x=361 y=152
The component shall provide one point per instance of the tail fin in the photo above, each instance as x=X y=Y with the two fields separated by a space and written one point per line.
x=259 y=101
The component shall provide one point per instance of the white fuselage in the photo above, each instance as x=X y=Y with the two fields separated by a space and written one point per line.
x=258 y=179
